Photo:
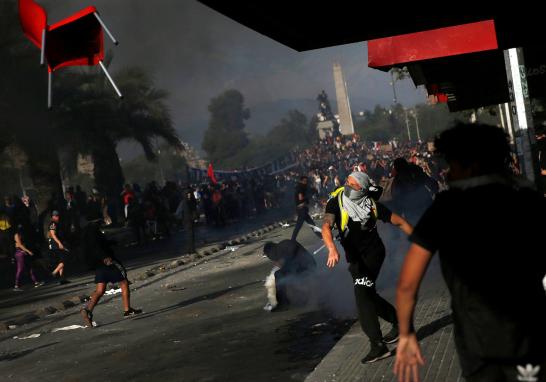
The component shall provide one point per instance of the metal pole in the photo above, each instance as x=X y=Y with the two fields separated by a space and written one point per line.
x=520 y=103
x=417 y=126
x=42 y=54
x=509 y=126
x=49 y=80
x=407 y=124
x=501 y=115
x=393 y=87
x=110 y=79
x=106 y=29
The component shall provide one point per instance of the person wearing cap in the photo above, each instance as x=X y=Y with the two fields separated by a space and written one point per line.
x=355 y=211
x=56 y=248
x=287 y=281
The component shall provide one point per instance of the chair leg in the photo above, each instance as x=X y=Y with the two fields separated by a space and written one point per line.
x=110 y=79
x=116 y=42
x=49 y=83
x=42 y=55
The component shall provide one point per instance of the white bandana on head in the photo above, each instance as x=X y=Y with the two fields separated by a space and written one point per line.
x=358 y=204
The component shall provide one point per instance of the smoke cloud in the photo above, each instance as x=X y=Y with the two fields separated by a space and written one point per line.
x=196 y=53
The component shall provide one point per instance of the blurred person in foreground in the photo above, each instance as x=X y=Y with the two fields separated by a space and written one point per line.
x=491 y=248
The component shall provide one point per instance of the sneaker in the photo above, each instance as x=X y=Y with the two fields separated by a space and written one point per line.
x=87 y=317
x=131 y=312
x=17 y=289
x=392 y=336
x=377 y=353
x=38 y=284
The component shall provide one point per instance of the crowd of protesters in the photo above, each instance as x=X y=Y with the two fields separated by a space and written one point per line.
x=50 y=239
x=408 y=173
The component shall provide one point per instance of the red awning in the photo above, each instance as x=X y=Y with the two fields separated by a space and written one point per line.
x=436 y=43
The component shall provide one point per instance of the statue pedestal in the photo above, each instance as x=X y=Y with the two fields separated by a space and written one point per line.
x=324 y=128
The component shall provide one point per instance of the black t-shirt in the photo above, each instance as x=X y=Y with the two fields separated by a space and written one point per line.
x=358 y=239
x=490 y=241
x=96 y=246
x=301 y=189
x=53 y=226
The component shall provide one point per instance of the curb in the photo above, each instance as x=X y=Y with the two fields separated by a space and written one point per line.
x=76 y=300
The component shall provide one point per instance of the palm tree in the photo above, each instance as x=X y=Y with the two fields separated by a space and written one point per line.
x=24 y=120
x=92 y=120
x=87 y=117
x=398 y=74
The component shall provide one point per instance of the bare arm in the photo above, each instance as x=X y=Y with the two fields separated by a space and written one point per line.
x=55 y=238
x=19 y=244
x=401 y=223
x=408 y=354
x=333 y=254
x=301 y=197
x=413 y=271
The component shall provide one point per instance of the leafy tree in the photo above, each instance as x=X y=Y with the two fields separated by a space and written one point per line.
x=291 y=132
x=24 y=120
x=92 y=120
x=225 y=135
x=170 y=165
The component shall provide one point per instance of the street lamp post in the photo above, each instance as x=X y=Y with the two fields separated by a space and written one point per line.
x=393 y=87
x=414 y=113
x=407 y=124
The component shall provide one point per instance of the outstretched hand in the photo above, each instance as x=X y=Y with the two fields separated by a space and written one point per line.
x=333 y=258
x=408 y=357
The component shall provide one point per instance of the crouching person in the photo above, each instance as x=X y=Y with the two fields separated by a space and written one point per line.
x=107 y=270
x=290 y=280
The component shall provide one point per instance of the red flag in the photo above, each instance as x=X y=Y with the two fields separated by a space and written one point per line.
x=210 y=174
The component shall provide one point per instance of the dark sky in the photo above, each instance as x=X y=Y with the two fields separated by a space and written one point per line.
x=196 y=53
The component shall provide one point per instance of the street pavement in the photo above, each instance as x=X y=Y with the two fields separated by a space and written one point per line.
x=13 y=305
x=204 y=322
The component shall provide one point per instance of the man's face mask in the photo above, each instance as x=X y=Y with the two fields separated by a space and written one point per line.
x=352 y=193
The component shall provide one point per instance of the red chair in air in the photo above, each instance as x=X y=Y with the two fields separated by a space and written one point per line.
x=75 y=41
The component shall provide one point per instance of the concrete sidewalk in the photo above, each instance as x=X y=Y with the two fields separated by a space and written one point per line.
x=434 y=329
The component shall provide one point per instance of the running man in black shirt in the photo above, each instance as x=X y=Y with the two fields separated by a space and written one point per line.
x=107 y=270
x=355 y=213
x=302 y=207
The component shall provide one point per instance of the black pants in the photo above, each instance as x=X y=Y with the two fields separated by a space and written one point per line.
x=369 y=304
x=189 y=245
x=303 y=216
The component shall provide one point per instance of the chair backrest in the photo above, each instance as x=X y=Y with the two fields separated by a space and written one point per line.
x=33 y=20
x=74 y=41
